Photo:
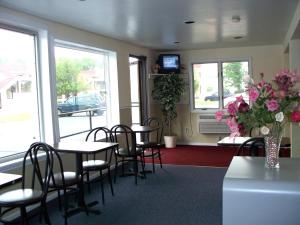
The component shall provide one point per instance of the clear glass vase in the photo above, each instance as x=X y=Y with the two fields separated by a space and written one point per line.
x=272 y=147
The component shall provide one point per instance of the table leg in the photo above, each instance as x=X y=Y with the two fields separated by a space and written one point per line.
x=81 y=202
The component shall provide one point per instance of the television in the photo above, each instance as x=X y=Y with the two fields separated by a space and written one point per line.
x=169 y=63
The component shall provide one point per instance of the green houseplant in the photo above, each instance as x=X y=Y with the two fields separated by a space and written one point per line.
x=167 y=91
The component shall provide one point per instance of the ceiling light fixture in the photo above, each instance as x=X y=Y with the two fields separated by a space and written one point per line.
x=189 y=22
x=236 y=18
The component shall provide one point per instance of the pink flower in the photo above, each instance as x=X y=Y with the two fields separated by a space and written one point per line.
x=232 y=108
x=239 y=98
x=253 y=94
x=295 y=116
x=232 y=124
x=243 y=107
x=286 y=79
x=272 y=105
x=219 y=115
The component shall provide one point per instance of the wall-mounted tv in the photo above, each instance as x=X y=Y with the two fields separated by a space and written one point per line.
x=169 y=63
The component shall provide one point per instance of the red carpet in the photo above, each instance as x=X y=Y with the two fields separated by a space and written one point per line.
x=214 y=156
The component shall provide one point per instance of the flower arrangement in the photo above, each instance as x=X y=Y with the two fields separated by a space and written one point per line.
x=271 y=106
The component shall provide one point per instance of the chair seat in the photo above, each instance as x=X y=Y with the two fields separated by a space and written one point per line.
x=146 y=144
x=20 y=197
x=70 y=179
x=94 y=164
x=124 y=152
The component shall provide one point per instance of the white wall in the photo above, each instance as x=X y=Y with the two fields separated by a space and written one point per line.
x=294 y=53
x=267 y=59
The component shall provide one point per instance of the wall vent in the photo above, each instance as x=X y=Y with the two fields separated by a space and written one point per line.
x=209 y=125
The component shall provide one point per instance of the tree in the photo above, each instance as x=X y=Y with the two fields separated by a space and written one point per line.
x=233 y=73
x=67 y=77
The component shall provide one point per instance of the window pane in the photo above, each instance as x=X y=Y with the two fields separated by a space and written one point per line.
x=81 y=83
x=205 y=81
x=233 y=76
x=19 y=124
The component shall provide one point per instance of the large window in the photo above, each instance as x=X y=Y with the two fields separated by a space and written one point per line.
x=215 y=84
x=83 y=89
x=19 y=120
x=85 y=77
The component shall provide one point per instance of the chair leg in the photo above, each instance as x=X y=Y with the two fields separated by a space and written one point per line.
x=159 y=156
x=59 y=200
x=24 y=218
x=116 y=171
x=110 y=181
x=66 y=207
x=46 y=215
x=135 y=169
x=153 y=165
x=88 y=181
x=102 y=188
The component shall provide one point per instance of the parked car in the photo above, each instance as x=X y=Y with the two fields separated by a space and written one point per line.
x=215 y=96
x=82 y=102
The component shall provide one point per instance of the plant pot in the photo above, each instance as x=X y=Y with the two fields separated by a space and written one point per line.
x=170 y=141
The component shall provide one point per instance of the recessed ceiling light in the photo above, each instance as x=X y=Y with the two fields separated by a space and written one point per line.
x=236 y=18
x=189 y=22
x=238 y=37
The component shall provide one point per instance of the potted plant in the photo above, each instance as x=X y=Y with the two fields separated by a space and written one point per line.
x=167 y=91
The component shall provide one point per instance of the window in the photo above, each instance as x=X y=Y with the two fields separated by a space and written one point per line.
x=19 y=108
x=83 y=89
x=26 y=89
x=215 y=84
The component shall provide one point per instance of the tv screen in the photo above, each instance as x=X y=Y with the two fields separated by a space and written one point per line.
x=169 y=63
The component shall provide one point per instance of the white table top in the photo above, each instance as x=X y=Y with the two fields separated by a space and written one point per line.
x=83 y=147
x=250 y=173
x=232 y=140
x=253 y=194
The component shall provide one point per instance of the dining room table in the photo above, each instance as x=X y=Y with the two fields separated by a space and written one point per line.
x=143 y=130
x=79 y=148
x=254 y=194
x=7 y=179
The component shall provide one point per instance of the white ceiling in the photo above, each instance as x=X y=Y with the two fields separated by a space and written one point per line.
x=157 y=24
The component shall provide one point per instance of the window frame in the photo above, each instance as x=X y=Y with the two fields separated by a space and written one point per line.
x=10 y=161
x=113 y=115
x=45 y=86
x=211 y=111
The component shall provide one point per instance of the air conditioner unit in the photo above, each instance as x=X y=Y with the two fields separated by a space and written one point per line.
x=209 y=125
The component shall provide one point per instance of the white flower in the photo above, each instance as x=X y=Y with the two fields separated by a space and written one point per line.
x=279 y=117
x=264 y=130
x=248 y=80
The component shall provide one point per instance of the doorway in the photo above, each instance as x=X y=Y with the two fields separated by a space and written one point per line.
x=138 y=89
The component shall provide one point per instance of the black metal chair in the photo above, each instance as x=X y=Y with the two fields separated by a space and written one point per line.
x=152 y=141
x=252 y=147
x=126 y=138
x=93 y=164
x=34 y=188
x=65 y=181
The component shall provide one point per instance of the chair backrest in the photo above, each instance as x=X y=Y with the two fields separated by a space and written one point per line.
x=155 y=122
x=126 y=138
x=37 y=174
x=100 y=134
x=251 y=147
x=57 y=167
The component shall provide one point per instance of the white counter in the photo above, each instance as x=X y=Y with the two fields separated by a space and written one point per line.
x=253 y=194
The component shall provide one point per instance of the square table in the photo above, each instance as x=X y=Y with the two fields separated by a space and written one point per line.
x=7 y=179
x=253 y=194
x=79 y=148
